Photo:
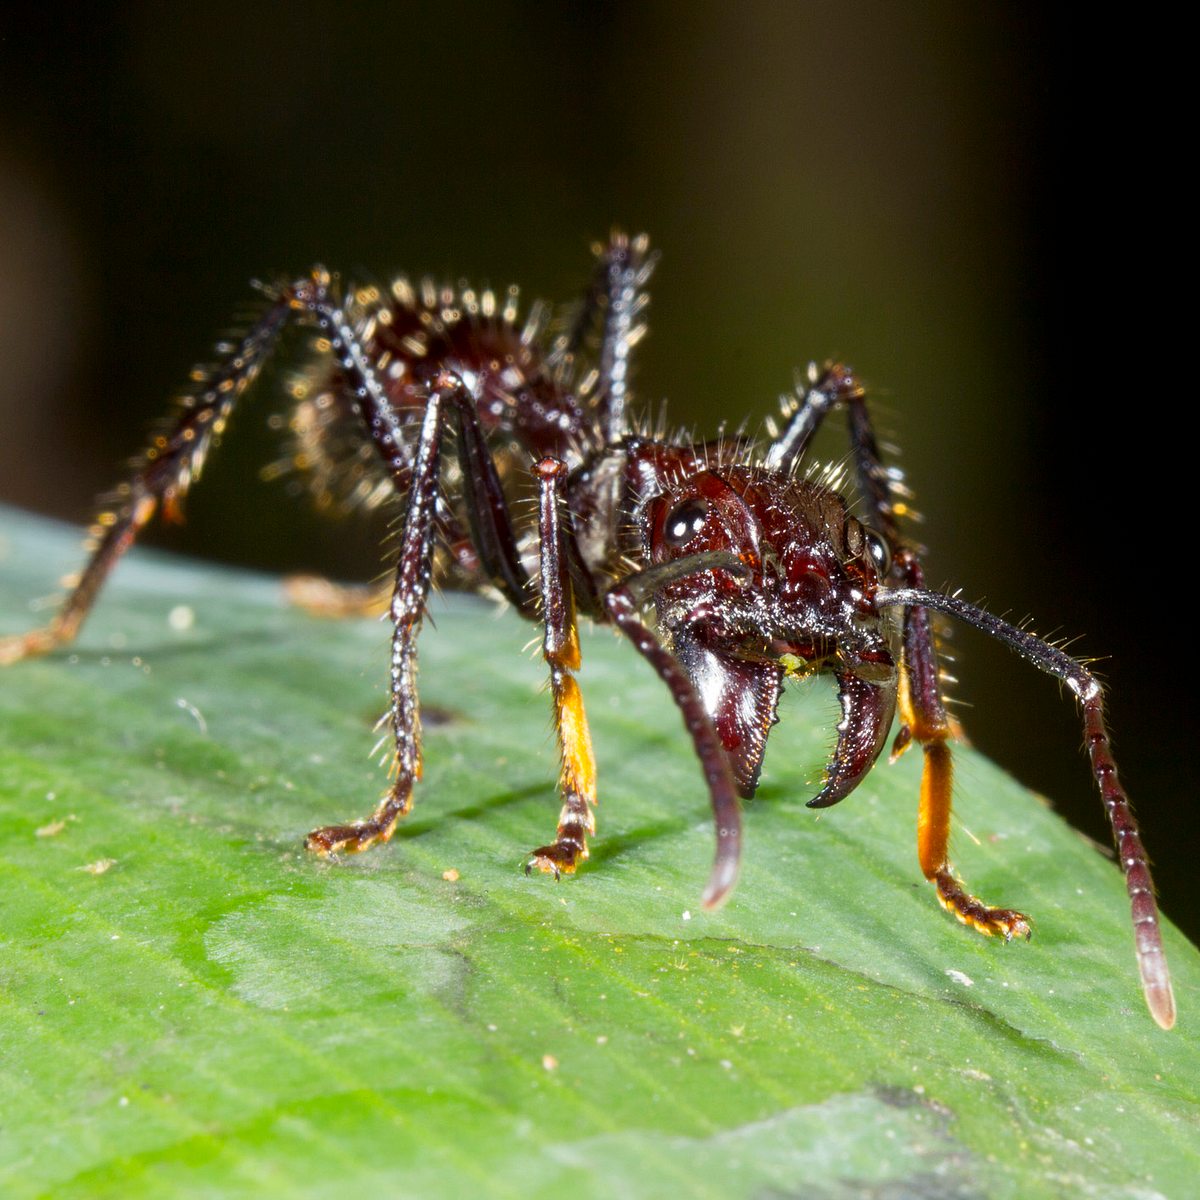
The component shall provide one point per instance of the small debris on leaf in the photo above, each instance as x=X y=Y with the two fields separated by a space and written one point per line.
x=99 y=866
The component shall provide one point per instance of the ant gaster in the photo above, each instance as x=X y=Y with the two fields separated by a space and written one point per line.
x=753 y=569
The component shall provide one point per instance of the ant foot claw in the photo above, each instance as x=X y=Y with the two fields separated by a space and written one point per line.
x=1005 y=923
x=554 y=860
x=358 y=835
x=1010 y=924
x=351 y=838
x=14 y=647
x=970 y=910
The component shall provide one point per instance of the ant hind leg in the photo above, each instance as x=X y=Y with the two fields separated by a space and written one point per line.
x=321 y=597
x=166 y=469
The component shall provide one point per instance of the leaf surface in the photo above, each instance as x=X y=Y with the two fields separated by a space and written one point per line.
x=191 y=1005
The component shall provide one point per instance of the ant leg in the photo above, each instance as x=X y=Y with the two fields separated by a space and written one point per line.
x=560 y=648
x=923 y=714
x=497 y=556
x=165 y=471
x=628 y=268
x=922 y=710
x=923 y=717
x=407 y=608
x=623 y=269
x=826 y=387
x=487 y=510
x=321 y=597
x=881 y=486
x=419 y=472
x=1156 y=979
x=388 y=429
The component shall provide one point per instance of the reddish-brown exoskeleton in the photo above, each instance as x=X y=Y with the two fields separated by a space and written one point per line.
x=753 y=570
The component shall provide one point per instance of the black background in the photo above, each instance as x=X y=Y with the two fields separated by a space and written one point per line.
x=976 y=205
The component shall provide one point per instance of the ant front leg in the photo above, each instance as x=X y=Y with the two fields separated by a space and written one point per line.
x=560 y=648
x=1152 y=963
x=922 y=709
x=923 y=713
x=165 y=471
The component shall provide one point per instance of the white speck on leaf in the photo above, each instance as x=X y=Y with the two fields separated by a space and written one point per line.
x=194 y=712
x=181 y=618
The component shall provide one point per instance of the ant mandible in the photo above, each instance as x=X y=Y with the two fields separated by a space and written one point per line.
x=755 y=571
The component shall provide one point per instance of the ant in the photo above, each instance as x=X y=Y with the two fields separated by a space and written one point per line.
x=755 y=570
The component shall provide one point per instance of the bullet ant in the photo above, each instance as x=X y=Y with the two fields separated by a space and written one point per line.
x=754 y=570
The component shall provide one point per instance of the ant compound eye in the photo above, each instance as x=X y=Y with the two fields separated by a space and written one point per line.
x=879 y=550
x=685 y=522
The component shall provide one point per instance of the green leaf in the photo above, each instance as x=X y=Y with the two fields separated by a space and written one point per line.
x=219 y=1014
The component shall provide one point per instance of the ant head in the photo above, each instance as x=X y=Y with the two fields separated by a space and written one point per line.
x=811 y=569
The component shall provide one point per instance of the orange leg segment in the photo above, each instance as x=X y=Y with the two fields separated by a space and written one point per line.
x=933 y=835
x=923 y=717
x=560 y=648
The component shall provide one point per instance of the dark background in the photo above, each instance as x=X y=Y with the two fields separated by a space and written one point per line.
x=976 y=205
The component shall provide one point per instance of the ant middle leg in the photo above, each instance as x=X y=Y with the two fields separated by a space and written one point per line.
x=409 y=594
x=418 y=470
x=560 y=648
